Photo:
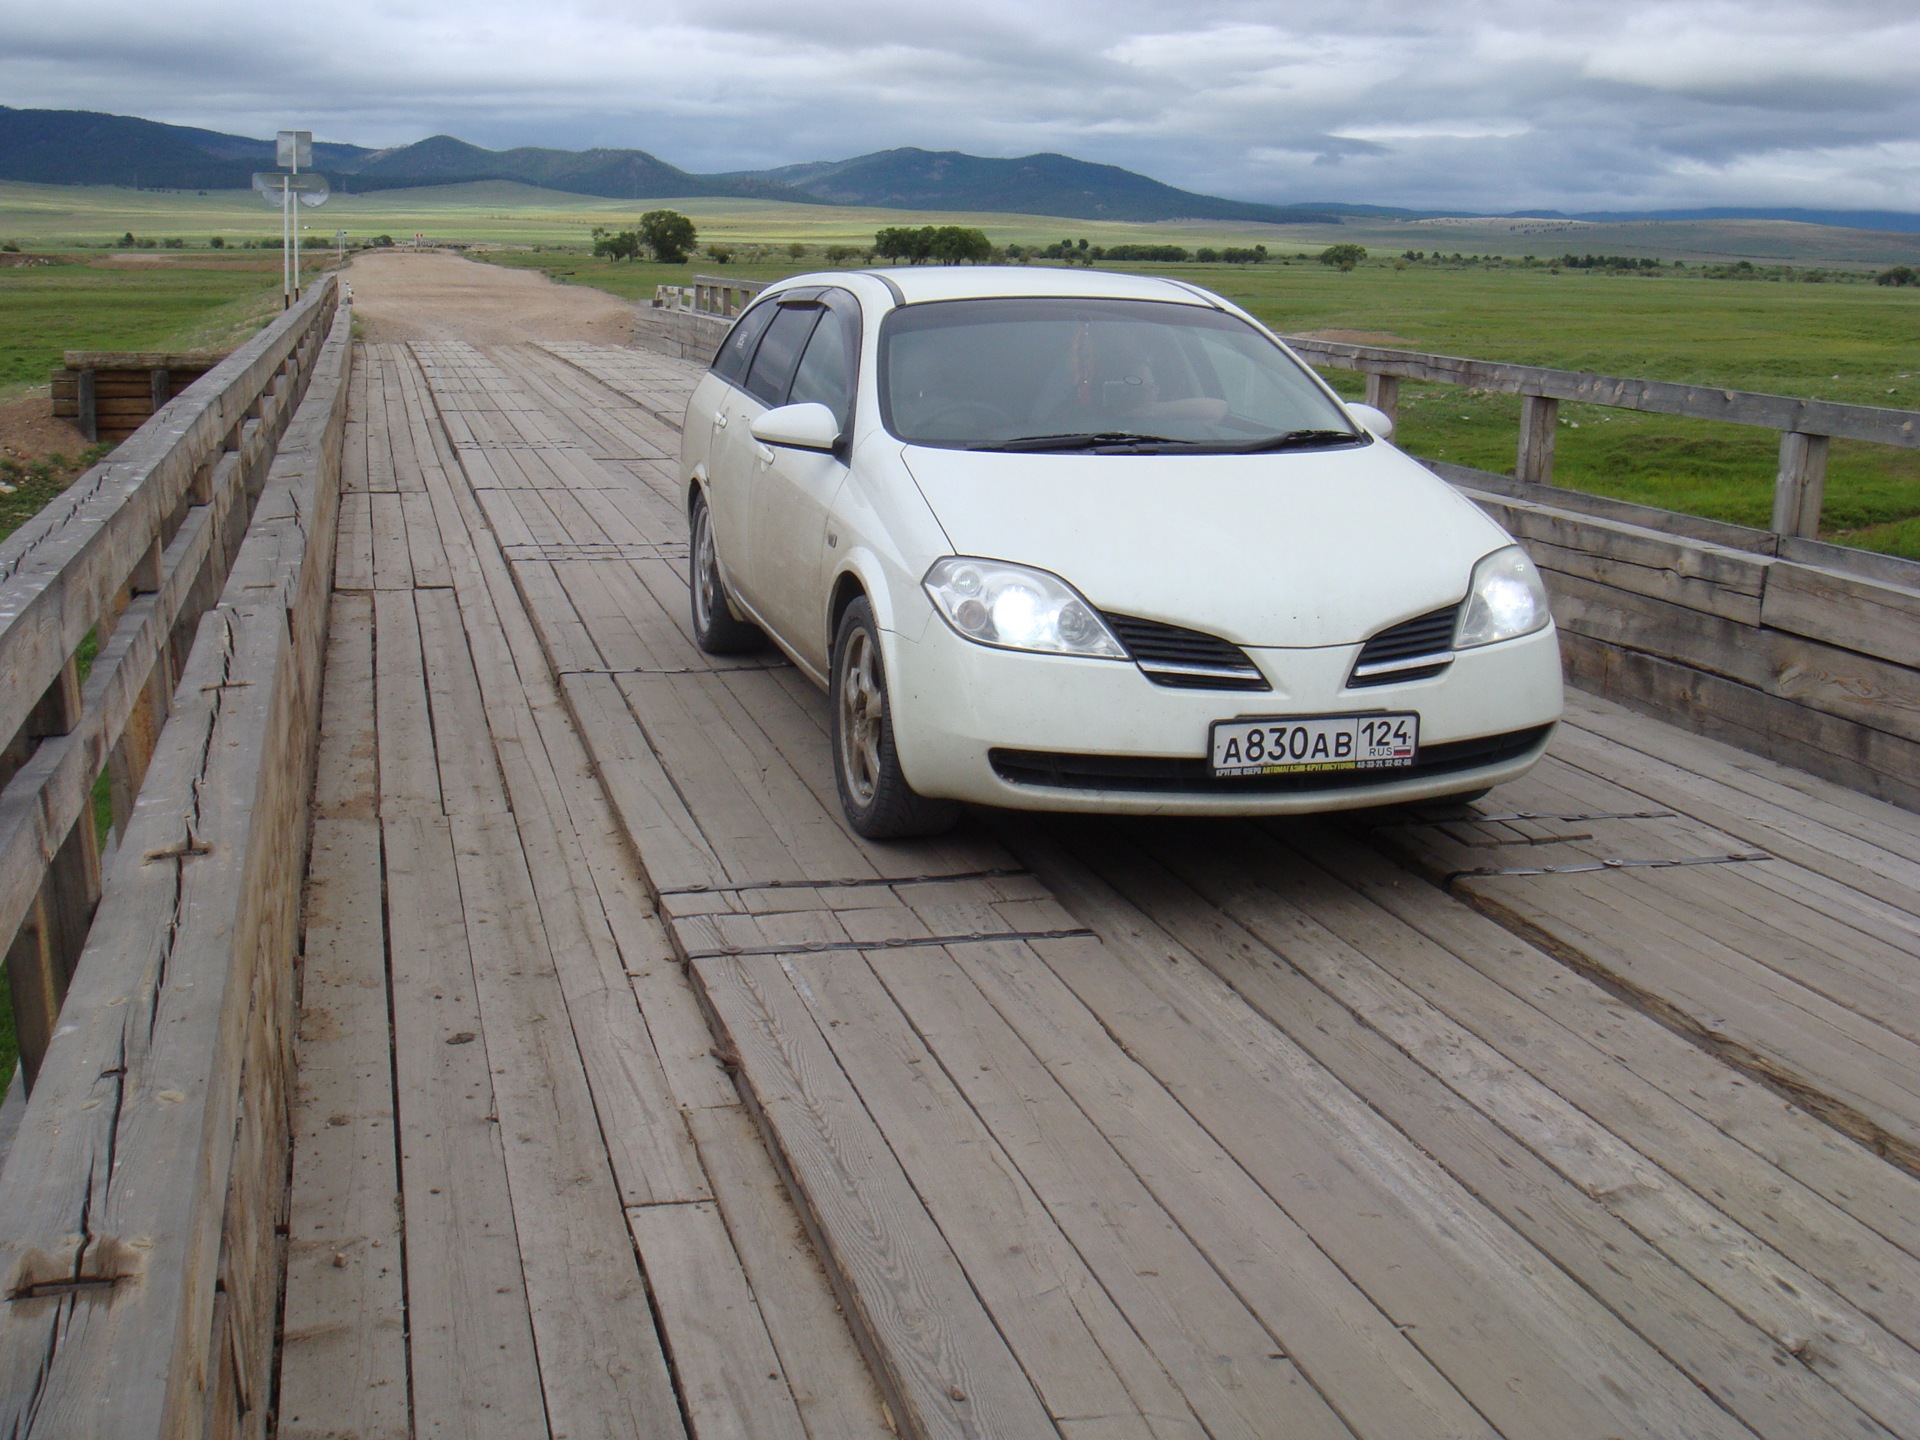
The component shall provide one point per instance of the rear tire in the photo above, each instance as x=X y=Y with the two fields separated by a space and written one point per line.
x=714 y=628
x=874 y=793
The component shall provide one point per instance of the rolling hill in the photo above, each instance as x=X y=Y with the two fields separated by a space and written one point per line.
x=1042 y=184
x=82 y=147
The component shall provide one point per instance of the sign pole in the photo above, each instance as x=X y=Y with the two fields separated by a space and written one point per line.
x=286 y=229
x=296 y=231
x=291 y=189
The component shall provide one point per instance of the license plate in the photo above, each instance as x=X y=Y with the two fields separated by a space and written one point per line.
x=1317 y=742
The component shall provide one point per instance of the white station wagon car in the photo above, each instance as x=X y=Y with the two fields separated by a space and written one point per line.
x=1084 y=541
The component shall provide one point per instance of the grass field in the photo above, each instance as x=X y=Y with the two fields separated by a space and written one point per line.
x=143 y=301
x=513 y=214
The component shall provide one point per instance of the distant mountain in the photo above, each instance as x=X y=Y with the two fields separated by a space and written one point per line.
x=82 y=147
x=910 y=179
x=615 y=174
x=78 y=147
x=74 y=147
x=1893 y=220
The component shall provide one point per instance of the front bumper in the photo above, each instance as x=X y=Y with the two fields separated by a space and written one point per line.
x=1046 y=732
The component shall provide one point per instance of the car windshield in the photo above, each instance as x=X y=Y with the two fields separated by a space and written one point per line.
x=1127 y=376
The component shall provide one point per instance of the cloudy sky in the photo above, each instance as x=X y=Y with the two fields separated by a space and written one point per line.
x=1491 y=104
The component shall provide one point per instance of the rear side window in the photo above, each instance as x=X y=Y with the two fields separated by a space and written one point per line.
x=737 y=349
x=773 y=363
x=826 y=369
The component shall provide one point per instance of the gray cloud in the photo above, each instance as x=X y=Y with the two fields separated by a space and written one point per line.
x=1569 y=104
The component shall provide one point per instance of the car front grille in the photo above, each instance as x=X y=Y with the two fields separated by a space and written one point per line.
x=1179 y=776
x=1412 y=650
x=1185 y=659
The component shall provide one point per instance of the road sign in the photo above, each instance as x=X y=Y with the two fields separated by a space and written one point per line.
x=294 y=150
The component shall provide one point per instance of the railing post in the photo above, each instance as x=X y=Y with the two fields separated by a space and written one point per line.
x=160 y=386
x=41 y=959
x=1800 y=488
x=1383 y=393
x=87 y=393
x=1538 y=416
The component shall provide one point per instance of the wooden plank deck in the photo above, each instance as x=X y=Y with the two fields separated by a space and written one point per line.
x=638 y=1097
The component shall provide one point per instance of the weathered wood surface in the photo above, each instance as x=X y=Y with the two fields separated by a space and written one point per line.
x=141 y=1206
x=1814 y=665
x=1154 y=1129
x=529 y=1145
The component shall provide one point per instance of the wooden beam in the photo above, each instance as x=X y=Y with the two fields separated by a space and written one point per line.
x=88 y=420
x=1383 y=393
x=1798 y=490
x=1538 y=414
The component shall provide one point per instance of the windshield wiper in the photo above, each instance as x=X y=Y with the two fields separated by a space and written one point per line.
x=1297 y=440
x=1076 y=441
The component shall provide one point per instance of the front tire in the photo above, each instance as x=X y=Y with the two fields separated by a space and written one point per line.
x=715 y=630
x=874 y=793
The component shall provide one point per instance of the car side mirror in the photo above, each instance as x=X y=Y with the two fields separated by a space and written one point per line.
x=1378 y=422
x=810 y=426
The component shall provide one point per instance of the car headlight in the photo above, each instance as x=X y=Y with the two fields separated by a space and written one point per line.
x=1505 y=600
x=993 y=603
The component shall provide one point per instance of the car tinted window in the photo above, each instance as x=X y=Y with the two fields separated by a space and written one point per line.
x=773 y=363
x=826 y=369
x=958 y=373
x=737 y=349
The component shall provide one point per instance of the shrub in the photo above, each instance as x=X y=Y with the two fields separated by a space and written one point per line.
x=1157 y=253
x=1344 y=257
x=615 y=245
x=1898 y=275
x=942 y=244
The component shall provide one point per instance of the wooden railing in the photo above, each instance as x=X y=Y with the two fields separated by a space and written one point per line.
x=1805 y=426
x=1772 y=639
x=138 y=1205
x=708 y=295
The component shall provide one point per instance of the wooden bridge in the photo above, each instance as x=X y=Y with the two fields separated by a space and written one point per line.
x=605 y=1085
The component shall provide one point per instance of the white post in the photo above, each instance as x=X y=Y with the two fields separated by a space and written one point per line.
x=295 y=212
x=286 y=231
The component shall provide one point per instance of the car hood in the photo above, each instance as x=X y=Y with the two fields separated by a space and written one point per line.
x=1302 y=549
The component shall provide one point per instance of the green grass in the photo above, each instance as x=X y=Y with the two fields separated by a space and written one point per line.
x=77 y=303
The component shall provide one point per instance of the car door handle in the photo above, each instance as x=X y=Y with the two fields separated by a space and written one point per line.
x=766 y=455
x=719 y=419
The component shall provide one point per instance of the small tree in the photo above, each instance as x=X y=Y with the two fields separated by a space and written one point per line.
x=795 y=250
x=669 y=235
x=1343 y=257
x=1898 y=275
x=615 y=245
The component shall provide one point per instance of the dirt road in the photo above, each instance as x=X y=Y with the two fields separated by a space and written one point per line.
x=400 y=295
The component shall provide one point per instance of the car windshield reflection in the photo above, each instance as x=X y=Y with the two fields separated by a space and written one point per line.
x=1056 y=375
